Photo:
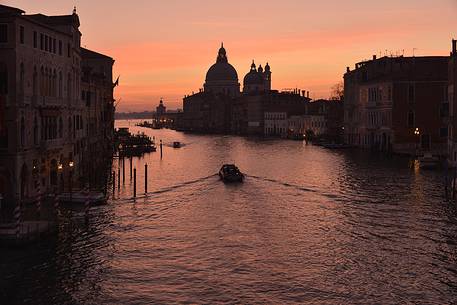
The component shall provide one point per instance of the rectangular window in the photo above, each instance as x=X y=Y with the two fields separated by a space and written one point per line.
x=68 y=50
x=444 y=110
x=443 y=132
x=46 y=42
x=41 y=41
x=411 y=122
x=3 y=33
x=411 y=93
x=21 y=34
x=60 y=47
x=54 y=47
x=35 y=39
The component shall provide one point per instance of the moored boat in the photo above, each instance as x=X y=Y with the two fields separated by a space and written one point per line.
x=80 y=197
x=428 y=161
x=230 y=173
x=176 y=144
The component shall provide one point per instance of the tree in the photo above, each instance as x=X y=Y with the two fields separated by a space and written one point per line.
x=337 y=91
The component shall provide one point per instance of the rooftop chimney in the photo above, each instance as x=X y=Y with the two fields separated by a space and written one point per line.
x=374 y=57
x=454 y=47
x=348 y=69
x=307 y=94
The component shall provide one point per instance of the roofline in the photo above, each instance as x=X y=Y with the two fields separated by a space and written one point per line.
x=97 y=54
x=11 y=8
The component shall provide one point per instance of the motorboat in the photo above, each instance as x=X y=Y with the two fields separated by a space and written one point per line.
x=428 y=161
x=176 y=144
x=230 y=173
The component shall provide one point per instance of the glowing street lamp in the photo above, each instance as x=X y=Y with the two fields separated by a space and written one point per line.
x=71 y=164
x=417 y=133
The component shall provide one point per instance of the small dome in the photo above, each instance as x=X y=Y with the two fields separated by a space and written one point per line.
x=253 y=78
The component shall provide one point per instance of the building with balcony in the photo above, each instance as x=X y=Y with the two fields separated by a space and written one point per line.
x=388 y=99
x=44 y=121
x=452 y=97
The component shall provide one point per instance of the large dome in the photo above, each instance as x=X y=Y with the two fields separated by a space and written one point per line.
x=221 y=71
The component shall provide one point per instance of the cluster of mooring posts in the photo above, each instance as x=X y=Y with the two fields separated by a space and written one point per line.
x=450 y=182
x=121 y=174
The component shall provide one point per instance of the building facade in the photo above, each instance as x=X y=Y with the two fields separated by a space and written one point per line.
x=43 y=119
x=388 y=99
x=452 y=97
x=97 y=96
x=276 y=124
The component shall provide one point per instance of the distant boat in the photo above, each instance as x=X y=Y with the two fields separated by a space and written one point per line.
x=428 y=161
x=336 y=146
x=230 y=173
x=176 y=144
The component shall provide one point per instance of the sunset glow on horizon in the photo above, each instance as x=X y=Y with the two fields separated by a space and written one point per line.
x=164 y=48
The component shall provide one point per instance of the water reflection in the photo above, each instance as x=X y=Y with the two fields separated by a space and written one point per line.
x=308 y=226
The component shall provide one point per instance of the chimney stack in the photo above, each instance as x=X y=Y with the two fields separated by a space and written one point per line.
x=454 y=47
x=307 y=94
x=348 y=69
x=374 y=57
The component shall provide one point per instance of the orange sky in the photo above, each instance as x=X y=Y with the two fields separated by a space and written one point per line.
x=164 y=48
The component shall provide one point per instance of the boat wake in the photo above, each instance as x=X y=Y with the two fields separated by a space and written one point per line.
x=168 y=189
x=299 y=187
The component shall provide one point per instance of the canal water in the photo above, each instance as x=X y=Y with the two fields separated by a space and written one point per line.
x=308 y=226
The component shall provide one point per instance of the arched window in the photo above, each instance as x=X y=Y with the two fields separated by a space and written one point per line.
x=60 y=84
x=54 y=83
x=53 y=172
x=60 y=127
x=3 y=79
x=46 y=82
x=22 y=77
x=69 y=127
x=22 y=132
x=69 y=86
x=41 y=81
x=35 y=79
x=35 y=131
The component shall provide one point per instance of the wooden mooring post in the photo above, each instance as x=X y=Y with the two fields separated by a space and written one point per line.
x=131 y=167
x=161 y=150
x=114 y=183
x=146 y=178
x=123 y=170
x=134 y=183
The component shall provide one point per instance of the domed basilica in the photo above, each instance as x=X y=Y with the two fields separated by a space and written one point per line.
x=220 y=106
x=222 y=78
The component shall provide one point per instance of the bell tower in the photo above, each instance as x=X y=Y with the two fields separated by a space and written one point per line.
x=267 y=77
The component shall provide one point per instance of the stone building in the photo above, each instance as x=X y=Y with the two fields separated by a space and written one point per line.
x=452 y=97
x=43 y=119
x=97 y=96
x=387 y=99
x=220 y=107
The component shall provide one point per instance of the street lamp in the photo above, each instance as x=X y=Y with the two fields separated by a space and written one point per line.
x=71 y=164
x=417 y=134
x=60 y=170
